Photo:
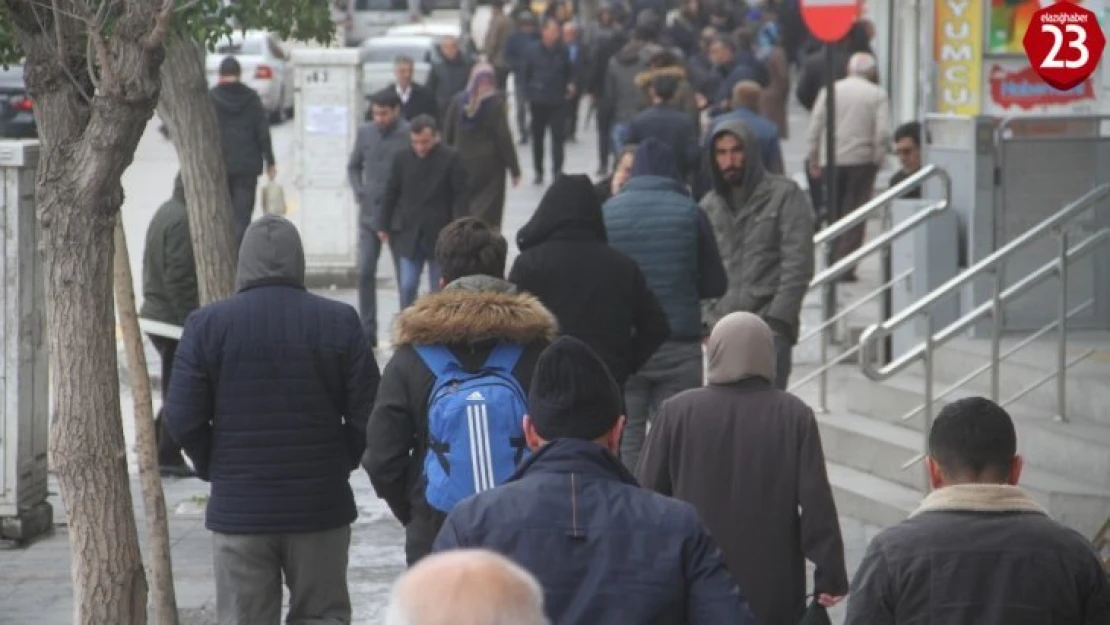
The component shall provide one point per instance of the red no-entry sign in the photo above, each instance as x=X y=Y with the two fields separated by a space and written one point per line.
x=830 y=20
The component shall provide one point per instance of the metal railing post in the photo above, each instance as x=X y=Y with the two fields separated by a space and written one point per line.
x=996 y=336
x=929 y=356
x=828 y=311
x=1062 y=333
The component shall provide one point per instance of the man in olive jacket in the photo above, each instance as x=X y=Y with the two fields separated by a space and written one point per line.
x=764 y=228
x=169 y=295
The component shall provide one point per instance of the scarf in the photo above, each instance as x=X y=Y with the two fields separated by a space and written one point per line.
x=481 y=86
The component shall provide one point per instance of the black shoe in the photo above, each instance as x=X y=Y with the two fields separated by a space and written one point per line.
x=523 y=140
x=538 y=180
x=848 y=278
x=601 y=172
x=176 y=470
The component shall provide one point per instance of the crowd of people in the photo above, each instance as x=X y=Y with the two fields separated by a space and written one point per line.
x=600 y=432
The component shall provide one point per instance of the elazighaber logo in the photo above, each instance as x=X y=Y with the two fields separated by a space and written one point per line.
x=1024 y=89
x=1064 y=44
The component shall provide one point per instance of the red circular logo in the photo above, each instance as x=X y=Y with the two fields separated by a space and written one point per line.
x=1064 y=44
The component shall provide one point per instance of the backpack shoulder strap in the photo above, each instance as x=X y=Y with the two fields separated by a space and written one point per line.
x=504 y=356
x=438 y=358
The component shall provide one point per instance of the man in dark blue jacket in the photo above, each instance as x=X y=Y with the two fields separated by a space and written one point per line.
x=745 y=107
x=270 y=395
x=669 y=126
x=548 y=76
x=656 y=222
x=516 y=54
x=604 y=550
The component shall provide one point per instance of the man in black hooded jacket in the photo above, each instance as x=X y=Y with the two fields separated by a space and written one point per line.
x=598 y=294
x=245 y=138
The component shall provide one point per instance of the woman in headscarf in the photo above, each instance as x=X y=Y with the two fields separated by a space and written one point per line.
x=748 y=456
x=477 y=126
x=773 y=100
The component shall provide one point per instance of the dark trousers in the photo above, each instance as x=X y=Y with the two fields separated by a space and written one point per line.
x=675 y=367
x=421 y=532
x=545 y=117
x=572 y=117
x=369 y=249
x=250 y=569
x=855 y=185
x=502 y=75
x=169 y=452
x=784 y=361
x=242 y=189
x=520 y=103
x=604 y=142
x=816 y=193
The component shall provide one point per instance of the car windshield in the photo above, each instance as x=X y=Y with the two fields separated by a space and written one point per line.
x=389 y=53
x=241 y=47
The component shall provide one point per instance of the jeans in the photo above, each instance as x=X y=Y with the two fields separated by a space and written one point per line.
x=249 y=569
x=784 y=361
x=619 y=135
x=369 y=249
x=675 y=367
x=411 y=268
x=544 y=117
x=242 y=190
x=169 y=452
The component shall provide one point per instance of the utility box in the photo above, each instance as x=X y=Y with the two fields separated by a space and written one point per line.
x=329 y=101
x=929 y=255
x=24 y=374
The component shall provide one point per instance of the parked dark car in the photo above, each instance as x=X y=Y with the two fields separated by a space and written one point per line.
x=17 y=119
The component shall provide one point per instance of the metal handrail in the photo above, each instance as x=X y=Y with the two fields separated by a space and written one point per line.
x=879 y=331
x=826 y=279
x=863 y=213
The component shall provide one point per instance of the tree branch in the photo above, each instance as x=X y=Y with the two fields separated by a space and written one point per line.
x=95 y=25
x=157 y=36
x=63 y=60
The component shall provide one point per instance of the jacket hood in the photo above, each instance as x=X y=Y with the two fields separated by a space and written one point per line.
x=644 y=78
x=635 y=52
x=569 y=205
x=474 y=309
x=754 y=169
x=741 y=347
x=654 y=158
x=232 y=97
x=571 y=455
x=271 y=253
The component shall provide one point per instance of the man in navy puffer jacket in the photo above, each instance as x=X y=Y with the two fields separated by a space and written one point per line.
x=270 y=395
x=606 y=551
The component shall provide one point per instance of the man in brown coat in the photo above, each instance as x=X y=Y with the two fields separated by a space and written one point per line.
x=769 y=440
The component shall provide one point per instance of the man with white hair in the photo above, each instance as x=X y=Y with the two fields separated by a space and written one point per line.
x=472 y=587
x=862 y=140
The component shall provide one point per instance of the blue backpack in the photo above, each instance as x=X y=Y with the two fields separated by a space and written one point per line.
x=475 y=424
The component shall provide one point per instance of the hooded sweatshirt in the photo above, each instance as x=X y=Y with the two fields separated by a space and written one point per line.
x=598 y=294
x=764 y=229
x=271 y=253
x=244 y=128
x=622 y=93
x=169 y=267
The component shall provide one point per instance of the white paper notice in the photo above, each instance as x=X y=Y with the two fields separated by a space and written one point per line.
x=326 y=120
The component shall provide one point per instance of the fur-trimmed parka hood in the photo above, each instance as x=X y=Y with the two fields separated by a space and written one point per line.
x=462 y=314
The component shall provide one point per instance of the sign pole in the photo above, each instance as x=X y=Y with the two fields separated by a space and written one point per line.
x=832 y=208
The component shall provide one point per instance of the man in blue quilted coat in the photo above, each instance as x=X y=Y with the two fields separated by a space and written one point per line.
x=270 y=395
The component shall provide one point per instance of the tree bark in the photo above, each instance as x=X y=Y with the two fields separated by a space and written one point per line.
x=154 y=499
x=187 y=111
x=89 y=126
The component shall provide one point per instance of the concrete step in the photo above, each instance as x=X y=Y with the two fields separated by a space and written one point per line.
x=1078 y=449
x=863 y=496
x=879 y=448
x=1088 y=394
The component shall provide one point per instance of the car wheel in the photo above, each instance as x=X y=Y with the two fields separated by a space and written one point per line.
x=278 y=114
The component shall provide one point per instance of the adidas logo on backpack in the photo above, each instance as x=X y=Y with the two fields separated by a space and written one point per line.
x=475 y=429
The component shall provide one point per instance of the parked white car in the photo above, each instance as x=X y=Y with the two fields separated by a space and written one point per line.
x=436 y=30
x=267 y=68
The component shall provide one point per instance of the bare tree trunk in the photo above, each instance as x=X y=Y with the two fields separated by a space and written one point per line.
x=154 y=499
x=187 y=111
x=89 y=126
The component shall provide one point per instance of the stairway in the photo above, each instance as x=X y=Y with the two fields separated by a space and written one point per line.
x=1067 y=465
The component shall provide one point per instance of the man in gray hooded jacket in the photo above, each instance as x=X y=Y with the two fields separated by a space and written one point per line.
x=378 y=143
x=763 y=223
